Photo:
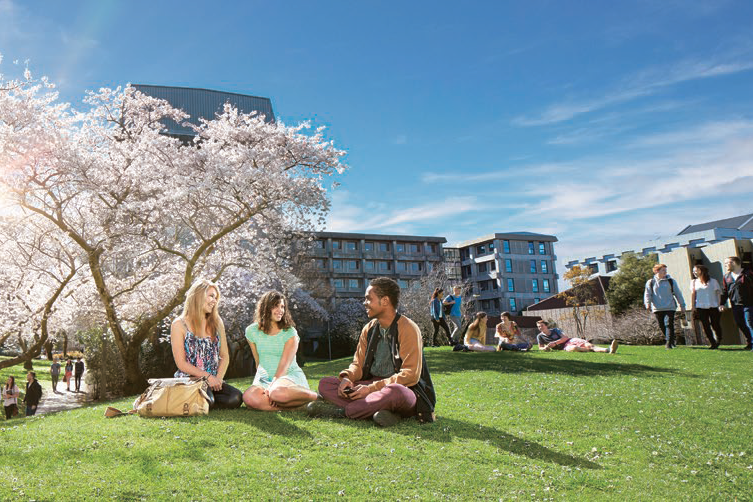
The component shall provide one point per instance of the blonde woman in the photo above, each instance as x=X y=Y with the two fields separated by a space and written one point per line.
x=475 y=335
x=200 y=346
x=279 y=382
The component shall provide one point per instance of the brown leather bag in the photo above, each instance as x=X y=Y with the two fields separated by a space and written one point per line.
x=174 y=397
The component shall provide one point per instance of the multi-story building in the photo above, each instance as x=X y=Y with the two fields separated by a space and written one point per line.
x=607 y=262
x=509 y=271
x=351 y=260
x=203 y=104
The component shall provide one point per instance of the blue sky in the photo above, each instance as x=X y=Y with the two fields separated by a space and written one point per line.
x=603 y=123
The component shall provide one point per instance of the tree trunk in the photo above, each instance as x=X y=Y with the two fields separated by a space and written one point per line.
x=65 y=344
x=48 y=349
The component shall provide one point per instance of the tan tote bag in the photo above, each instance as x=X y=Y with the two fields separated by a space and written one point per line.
x=174 y=397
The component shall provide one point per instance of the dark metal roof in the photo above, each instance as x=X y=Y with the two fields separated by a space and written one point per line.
x=204 y=103
x=744 y=222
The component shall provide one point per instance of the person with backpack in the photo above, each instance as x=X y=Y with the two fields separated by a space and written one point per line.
x=438 y=316
x=388 y=379
x=738 y=289
x=662 y=296
x=451 y=304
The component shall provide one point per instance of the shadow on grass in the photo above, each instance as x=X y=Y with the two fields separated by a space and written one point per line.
x=509 y=362
x=268 y=422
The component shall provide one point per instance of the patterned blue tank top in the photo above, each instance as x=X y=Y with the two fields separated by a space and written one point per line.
x=201 y=352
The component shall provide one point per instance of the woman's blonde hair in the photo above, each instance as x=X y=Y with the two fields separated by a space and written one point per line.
x=193 y=309
x=475 y=327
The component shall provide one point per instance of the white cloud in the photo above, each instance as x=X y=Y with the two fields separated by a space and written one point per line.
x=349 y=217
x=642 y=84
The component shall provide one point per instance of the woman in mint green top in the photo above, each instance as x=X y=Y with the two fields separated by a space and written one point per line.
x=279 y=382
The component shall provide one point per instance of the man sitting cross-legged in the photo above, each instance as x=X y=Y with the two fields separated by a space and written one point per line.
x=388 y=378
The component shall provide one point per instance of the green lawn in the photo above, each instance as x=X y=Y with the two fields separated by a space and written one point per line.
x=644 y=424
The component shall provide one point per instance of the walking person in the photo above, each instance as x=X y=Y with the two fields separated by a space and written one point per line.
x=279 y=383
x=455 y=301
x=10 y=398
x=33 y=393
x=475 y=335
x=199 y=344
x=661 y=296
x=738 y=289
x=54 y=374
x=68 y=374
x=438 y=317
x=705 y=295
x=79 y=367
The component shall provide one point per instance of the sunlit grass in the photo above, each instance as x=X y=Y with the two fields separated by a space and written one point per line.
x=644 y=424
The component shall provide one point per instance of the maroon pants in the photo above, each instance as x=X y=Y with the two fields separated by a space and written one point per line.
x=394 y=397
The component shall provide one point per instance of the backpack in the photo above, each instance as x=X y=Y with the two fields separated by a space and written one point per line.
x=671 y=284
x=448 y=308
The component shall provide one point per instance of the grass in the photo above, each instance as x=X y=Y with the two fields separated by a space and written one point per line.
x=644 y=424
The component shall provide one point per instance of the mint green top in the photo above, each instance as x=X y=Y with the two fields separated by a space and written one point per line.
x=270 y=349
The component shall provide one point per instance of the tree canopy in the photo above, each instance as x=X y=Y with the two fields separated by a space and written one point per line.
x=627 y=286
x=134 y=216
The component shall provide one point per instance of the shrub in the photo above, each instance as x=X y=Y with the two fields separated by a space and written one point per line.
x=105 y=372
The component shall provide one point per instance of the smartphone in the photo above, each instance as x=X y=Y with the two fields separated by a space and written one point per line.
x=349 y=391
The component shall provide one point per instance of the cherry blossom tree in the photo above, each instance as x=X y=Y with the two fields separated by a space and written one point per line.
x=149 y=214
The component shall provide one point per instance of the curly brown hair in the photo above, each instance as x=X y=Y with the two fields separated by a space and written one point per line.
x=263 y=315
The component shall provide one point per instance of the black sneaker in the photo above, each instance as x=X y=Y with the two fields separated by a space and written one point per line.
x=385 y=418
x=324 y=409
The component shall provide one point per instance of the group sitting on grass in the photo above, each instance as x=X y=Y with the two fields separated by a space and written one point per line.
x=388 y=379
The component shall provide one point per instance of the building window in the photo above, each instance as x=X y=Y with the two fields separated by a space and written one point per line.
x=480 y=249
x=402 y=283
x=319 y=244
x=337 y=264
x=611 y=265
x=594 y=268
x=414 y=248
x=369 y=265
x=320 y=263
x=354 y=283
x=508 y=265
x=544 y=267
x=494 y=284
x=400 y=247
x=530 y=247
x=510 y=285
x=368 y=246
x=546 y=285
x=352 y=265
x=432 y=248
x=400 y=267
x=416 y=266
x=385 y=266
x=339 y=284
x=493 y=265
x=384 y=247
x=536 y=300
x=484 y=304
x=482 y=286
x=513 y=305
x=535 y=285
x=466 y=271
x=496 y=304
x=350 y=246
x=533 y=266
x=336 y=245
x=491 y=246
x=481 y=268
x=542 y=248
x=506 y=246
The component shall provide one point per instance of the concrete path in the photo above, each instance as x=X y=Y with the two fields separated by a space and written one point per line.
x=62 y=399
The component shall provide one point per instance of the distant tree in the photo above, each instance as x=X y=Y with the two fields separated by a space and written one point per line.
x=580 y=298
x=626 y=287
